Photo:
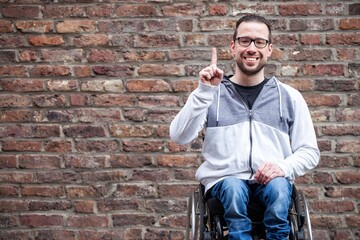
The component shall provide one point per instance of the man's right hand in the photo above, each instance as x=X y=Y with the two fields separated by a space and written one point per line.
x=212 y=75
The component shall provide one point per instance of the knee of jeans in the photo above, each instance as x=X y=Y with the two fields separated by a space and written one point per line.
x=281 y=188
x=234 y=187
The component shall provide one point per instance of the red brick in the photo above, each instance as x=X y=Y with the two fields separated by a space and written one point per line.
x=90 y=40
x=343 y=39
x=104 y=10
x=19 y=11
x=42 y=191
x=34 y=26
x=183 y=9
x=9 y=191
x=12 y=41
x=218 y=9
x=75 y=26
x=6 y=26
x=147 y=85
x=38 y=41
x=300 y=9
x=310 y=39
x=142 y=10
x=84 y=206
x=177 y=160
x=39 y=162
x=322 y=69
x=24 y=85
x=50 y=70
x=349 y=24
x=37 y=220
x=13 y=71
x=348 y=177
x=63 y=11
x=102 y=56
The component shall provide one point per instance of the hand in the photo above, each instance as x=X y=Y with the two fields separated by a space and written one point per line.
x=267 y=172
x=211 y=75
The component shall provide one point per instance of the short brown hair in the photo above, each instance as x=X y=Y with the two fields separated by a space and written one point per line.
x=253 y=18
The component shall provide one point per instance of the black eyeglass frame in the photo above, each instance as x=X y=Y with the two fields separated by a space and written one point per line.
x=253 y=40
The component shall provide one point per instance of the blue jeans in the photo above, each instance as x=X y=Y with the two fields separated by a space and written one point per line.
x=235 y=194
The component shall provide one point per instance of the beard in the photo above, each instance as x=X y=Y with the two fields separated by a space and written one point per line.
x=249 y=71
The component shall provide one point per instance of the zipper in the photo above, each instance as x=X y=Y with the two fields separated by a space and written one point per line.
x=250 y=127
x=251 y=144
x=250 y=130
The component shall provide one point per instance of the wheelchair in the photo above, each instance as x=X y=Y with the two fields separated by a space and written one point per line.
x=205 y=219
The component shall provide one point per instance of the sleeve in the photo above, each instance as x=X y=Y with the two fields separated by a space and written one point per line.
x=191 y=119
x=306 y=154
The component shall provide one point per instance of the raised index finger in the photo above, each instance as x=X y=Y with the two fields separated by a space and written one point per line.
x=214 y=56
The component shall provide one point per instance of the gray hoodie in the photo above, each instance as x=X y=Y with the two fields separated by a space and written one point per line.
x=238 y=140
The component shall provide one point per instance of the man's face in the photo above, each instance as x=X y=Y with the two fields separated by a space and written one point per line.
x=251 y=59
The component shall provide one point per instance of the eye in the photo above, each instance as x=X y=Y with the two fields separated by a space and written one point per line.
x=244 y=41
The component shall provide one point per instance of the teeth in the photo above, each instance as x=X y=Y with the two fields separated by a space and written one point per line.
x=251 y=59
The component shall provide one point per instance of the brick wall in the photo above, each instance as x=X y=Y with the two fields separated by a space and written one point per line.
x=88 y=90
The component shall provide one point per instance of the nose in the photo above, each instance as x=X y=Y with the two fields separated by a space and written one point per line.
x=251 y=47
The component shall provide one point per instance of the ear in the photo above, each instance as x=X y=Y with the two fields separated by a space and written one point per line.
x=270 y=48
x=232 y=48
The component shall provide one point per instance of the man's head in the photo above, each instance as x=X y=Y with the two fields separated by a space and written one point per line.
x=252 y=18
x=251 y=46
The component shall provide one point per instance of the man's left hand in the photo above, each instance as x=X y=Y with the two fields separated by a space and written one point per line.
x=268 y=171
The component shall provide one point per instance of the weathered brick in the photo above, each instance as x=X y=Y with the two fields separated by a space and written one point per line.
x=34 y=26
x=102 y=56
x=63 y=11
x=144 y=55
x=75 y=26
x=218 y=9
x=348 y=177
x=8 y=191
x=147 y=85
x=110 y=205
x=87 y=221
x=6 y=26
x=183 y=9
x=349 y=24
x=177 y=160
x=37 y=220
x=135 y=190
x=354 y=9
x=167 y=234
x=160 y=70
x=300 y=9
x=325 y=206
x=90 y=40
x=24 y=85
x=104 y=10
x=255 y=8
x=42 y=191
x=50 y=70
x=80 y=131
x=312 y=25
x=343 y=39
x=96 y=145
x=39 y=162
x=39 y=41
x=17 y=11
x=142 y=10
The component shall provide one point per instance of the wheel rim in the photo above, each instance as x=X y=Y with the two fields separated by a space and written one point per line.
x=307 y=214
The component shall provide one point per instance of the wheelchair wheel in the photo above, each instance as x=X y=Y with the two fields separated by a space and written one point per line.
x=192 y=228
x=305 y=210
x=219 y=228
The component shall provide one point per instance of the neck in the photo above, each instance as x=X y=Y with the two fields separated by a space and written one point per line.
x=248 y=80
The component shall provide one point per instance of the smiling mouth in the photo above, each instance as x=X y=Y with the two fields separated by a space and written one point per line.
x=251 y=59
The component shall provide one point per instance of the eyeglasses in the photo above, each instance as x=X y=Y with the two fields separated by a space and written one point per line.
x=246 y=41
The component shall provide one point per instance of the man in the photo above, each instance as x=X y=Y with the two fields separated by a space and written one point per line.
x=259 y=134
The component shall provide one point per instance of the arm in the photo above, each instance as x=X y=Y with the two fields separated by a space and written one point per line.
x=192 y=117
x=304 y=147
x=190 y=120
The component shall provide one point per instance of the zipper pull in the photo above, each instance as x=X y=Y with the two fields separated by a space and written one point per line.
x=250 y=113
